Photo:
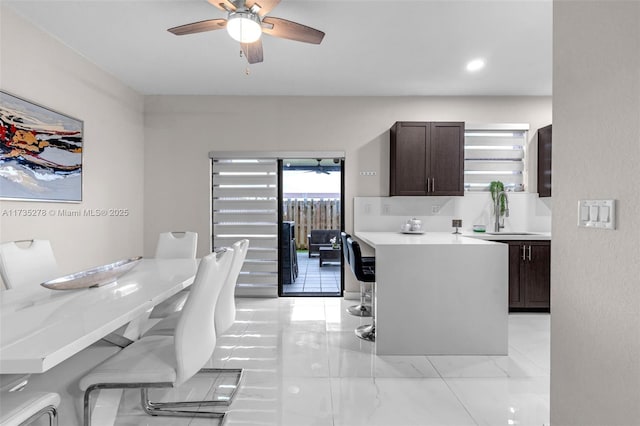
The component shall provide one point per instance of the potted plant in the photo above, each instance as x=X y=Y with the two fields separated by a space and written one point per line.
x=496 y=187
x=334 y=243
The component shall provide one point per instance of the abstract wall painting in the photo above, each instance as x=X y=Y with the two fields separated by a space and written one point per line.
x=40 y=152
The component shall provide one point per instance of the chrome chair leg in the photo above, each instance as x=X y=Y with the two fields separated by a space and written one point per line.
x=86 y=420
x=238 y=371
x=225 y=401
x=168 y=408
x=359 y=310
x=362 y=309
x=368 y=332
x=50 y=411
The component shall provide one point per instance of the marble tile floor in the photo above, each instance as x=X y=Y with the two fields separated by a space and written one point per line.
x=304 y=366
x=315 y=279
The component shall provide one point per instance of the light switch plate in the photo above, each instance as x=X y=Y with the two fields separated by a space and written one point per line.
x=597 y=214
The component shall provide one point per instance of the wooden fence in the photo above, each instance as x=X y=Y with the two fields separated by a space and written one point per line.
x=311 y=214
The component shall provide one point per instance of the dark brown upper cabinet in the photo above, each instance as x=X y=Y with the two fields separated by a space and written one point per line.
x=544 y=161
x=427 y=158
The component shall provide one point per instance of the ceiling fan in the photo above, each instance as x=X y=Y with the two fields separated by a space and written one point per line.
x=246 y=21
x=319 y=169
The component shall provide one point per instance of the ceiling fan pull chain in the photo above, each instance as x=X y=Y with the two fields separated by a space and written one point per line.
x=246 y=70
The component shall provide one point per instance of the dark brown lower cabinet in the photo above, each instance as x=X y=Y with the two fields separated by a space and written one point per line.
x=529 y=275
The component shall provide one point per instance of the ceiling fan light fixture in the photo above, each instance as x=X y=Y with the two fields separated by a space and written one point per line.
x=244 y=26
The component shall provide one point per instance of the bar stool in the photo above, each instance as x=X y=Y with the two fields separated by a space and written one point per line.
x=362 y=309
x=363 y=273
x=23 y=408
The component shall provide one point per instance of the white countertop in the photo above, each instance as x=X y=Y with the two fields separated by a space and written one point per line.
x=505 y=236
x=428 y=238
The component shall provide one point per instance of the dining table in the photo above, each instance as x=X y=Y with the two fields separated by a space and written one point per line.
x=41 y=327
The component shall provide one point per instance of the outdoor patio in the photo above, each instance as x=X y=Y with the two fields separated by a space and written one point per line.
x=313 y=279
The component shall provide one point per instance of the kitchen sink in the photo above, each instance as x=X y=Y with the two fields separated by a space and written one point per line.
x=511 y=233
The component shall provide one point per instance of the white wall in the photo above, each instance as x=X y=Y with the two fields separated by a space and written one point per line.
x=36 y=67
x=595 y=287
x=181 y=130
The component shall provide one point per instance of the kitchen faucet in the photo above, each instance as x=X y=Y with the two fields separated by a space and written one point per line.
x=496 y=210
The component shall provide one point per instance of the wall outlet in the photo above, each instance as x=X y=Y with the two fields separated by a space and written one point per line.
x=386 y=209
x=435 y=209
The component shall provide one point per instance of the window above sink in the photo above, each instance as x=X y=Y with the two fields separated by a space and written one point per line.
x=494 y=152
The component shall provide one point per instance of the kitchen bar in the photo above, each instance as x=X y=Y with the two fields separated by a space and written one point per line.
x=439 y=294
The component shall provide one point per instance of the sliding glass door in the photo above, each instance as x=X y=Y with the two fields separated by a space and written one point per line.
x=311 y=220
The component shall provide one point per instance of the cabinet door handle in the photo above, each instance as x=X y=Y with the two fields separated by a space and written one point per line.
x=524 y=257
x=529 y=252
x=433 y=184
x=427 y=184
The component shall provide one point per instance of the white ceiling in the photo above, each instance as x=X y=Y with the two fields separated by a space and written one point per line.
x=372 y=47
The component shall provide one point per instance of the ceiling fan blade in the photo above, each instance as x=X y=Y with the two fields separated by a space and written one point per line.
x=226 y=5
x=265 y=6
x=198 y=27
x=282 y=28
x=253 y=51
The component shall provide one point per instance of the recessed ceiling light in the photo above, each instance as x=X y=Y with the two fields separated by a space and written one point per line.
x=475 y=65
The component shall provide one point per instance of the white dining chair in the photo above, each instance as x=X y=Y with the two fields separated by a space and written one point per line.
x=27 y=262
x=225 y=313
x=169 y=361
x=226 y=306
x=177 y=245
x=24 y=408
x=224 y=316
x=174 y=245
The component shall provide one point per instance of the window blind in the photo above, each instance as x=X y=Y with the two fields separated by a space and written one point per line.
x=494 y=154
x=245 y=205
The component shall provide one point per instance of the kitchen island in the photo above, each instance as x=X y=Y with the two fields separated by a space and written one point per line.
x=439 y=294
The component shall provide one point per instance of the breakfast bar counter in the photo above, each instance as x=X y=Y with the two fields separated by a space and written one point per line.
x=439 y=294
